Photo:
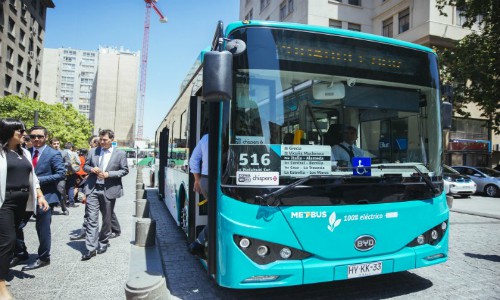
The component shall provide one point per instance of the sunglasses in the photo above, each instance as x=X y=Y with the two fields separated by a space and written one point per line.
x=37 y=136
x=26 y=138
x=21 y=131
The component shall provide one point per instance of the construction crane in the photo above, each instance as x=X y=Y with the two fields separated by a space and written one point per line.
x=144 y=63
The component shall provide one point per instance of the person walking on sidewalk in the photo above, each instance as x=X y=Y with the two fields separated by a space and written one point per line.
x=106 y=166
x=61 y=185
x=19 y=192
x=72 y=166
x=49 y=169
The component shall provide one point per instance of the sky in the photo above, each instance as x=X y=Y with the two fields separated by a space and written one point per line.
x=173 y=46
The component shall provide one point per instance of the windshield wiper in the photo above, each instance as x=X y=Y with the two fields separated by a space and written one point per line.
x=425 y=178
x=272 y=199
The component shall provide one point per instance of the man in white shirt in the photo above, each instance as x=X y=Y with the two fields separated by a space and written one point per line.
x=105 y=166
x=345 y=151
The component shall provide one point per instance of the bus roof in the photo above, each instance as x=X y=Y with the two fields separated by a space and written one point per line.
x=328 y=30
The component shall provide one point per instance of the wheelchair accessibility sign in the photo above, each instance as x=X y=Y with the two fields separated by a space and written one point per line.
x=361 y=166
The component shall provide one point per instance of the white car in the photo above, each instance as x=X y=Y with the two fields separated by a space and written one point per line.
x=456 y=184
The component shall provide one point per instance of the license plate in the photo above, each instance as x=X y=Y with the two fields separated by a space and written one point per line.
x=362 y=270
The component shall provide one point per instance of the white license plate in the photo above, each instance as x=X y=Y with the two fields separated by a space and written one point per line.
x=362 y=270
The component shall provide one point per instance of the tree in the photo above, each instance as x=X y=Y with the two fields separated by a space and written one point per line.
x=473 y=66
x=64 y=123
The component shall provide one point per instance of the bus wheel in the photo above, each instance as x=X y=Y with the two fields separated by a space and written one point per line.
x=184 y=217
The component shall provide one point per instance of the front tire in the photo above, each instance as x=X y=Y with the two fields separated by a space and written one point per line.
x=491 y=190
x=184 y=220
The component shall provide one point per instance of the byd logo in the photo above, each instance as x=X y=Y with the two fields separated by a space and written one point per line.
x=364 y=243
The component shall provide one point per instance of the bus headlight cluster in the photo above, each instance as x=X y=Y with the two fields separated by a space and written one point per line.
x=431 y=236
x=264 y=252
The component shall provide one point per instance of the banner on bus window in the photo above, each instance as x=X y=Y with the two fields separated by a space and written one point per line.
x=267 y=161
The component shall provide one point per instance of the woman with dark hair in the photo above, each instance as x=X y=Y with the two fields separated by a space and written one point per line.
x=19 y=192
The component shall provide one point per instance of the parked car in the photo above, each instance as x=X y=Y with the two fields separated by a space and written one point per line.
x=487 y=179
x=456 y=184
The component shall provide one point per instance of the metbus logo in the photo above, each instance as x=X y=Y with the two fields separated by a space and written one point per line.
x=308 y=214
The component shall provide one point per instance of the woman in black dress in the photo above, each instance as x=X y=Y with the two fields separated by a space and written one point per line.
x=19 y=192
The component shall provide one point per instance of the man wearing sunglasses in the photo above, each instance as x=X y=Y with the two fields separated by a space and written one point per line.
x=50 y=169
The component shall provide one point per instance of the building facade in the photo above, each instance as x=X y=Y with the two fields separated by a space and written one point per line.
x=22 y=31
x=68 y=77
x=468 y=142
x=115 y=103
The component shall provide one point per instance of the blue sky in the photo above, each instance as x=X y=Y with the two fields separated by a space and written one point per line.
x=173 y=46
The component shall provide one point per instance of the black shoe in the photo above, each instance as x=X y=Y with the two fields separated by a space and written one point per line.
x=73 y=205
x=37 y=264
x=103 y=249
x=80 y=236
x=196 y=248
x=17 y=260
x=114 y=235
x=89 y=255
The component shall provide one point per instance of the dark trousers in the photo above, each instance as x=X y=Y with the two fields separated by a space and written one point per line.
x=43 y=221
x=97 y=202
x=70 y=188
x=11 y=214
x=61 y=187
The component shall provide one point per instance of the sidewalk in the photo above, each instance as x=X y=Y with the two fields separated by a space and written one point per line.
x=67 y=277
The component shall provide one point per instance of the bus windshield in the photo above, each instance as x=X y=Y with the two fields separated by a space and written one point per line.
x=298 y=93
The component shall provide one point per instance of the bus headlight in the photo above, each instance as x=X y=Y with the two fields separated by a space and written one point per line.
x=244 y=243
x=432 y=236
x=262 y=250
x=285 y=253
x=444 y=226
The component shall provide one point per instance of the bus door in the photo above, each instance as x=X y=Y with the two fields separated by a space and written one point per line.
x=163 y=158
x=198 y=126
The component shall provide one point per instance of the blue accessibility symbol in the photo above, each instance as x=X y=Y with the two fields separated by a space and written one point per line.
x=361 y=166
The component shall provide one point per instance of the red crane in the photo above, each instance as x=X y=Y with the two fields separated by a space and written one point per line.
x=144 y=63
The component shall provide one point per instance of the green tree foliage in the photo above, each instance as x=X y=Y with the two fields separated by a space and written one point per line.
x=473 y=66
x=64 y=123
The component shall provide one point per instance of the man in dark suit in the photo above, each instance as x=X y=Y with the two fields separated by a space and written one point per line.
x=50 y=169
x=106 y=166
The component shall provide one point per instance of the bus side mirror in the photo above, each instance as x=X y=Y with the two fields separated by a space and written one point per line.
x=446 y=114
x=217 y=76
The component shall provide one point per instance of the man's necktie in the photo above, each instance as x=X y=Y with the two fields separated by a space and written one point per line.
x=351 y=152
x=35 y=158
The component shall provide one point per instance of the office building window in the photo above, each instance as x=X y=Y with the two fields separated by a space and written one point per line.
x=354 y=26
x=286 y=8
x=10 y=54
x=335 y=23
x=404 y=20
x=249 y=16
x=8 y=79
x=69 y=52
x=264 y=4
x=18 y=87
x=19 y=61
x=355 y=2
x=290 y=6
x=12 y=27
x=459 y=16
x=387 y=27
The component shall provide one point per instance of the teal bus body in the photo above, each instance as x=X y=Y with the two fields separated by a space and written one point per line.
x=394 y=220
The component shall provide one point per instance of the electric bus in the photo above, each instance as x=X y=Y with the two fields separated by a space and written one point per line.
x=282 y=210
